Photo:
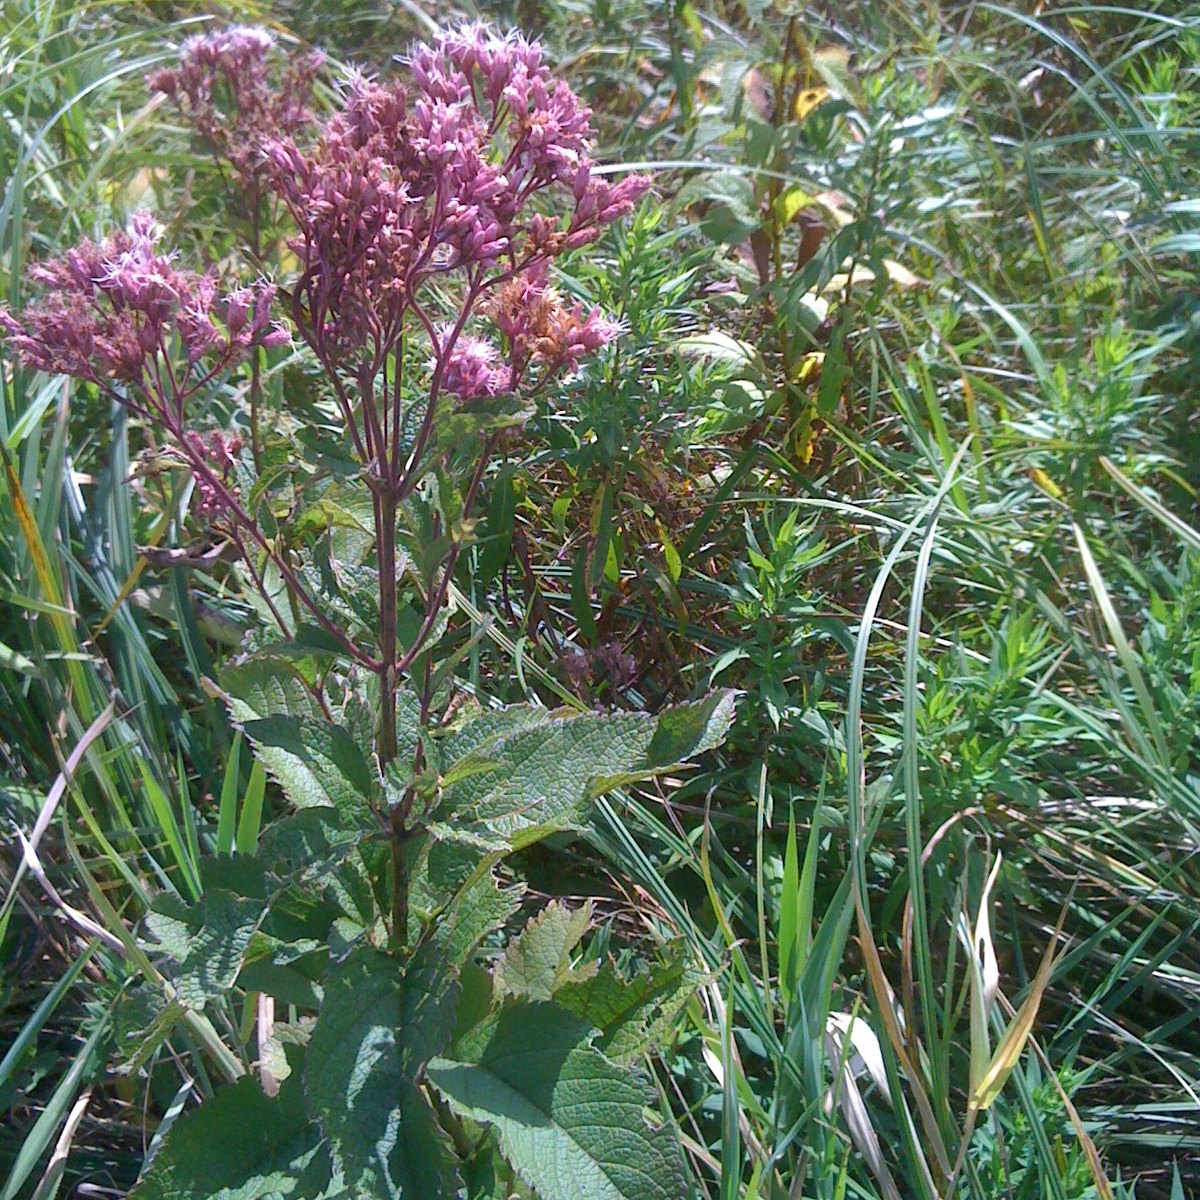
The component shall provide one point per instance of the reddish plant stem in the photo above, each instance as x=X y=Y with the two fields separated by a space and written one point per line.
x=412 y=473
x=233 y=507
x=437 y=597
x=259 y=582
x=401 y=827
x=389 y=673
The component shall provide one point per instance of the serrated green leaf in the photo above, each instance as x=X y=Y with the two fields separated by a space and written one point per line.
x=537 y=962
x=240 y=1145
x=487 y=727
x=543 y=777
x=380 y=1023
x=265 y=685
x=456 y=425
x=569 y=1121
x=627 y=1013
x=731 y=206
x=314 y=761
x=208 y=940
x=323 y=765
x=480 y=908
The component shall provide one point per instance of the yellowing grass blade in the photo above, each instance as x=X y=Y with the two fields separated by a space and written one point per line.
x=985 y=981
x=1008 y=1052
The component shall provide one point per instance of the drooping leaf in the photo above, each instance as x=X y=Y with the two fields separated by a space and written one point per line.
x=569 y=1121
x=321 y=858
x=380 y=1022
x=306 y=842
x=240 y=1145
x=143 y=1020
x=1012 y=1043
x=496 y=544
x=537 y=962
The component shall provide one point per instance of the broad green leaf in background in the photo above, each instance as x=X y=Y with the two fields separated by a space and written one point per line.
x=628 y=1013
x=208 y=940
x=570 y=1122
x=537 y=962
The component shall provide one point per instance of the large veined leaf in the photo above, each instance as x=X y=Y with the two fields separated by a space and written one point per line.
x=479 y=908
x=314 y=761
x=325 y=767
x=531 y=777
x=208 y=940
x=570 y=1122
x=379 y=1024
x=240 y=1145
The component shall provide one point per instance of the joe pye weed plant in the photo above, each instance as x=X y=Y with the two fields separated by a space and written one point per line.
x=421 y=222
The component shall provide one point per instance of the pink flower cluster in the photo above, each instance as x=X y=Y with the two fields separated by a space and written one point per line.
x=226 y=85
x=113 y=310
x=539 y=328
x=416 y=210
x=401 y=187
x=473 y=369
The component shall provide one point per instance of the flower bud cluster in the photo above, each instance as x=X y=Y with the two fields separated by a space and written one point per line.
x=235 y=97
x=109 y=310
x=403 y=185
x=540 y=329
x=219 y=454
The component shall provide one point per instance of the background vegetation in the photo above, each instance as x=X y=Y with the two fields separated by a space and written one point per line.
x=901 y=441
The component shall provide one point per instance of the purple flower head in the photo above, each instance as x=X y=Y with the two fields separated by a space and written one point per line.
x=448 y=67
x=452 y=177
x=228 y=86
x=540 y=329
x=473 y=369
x=113 y=310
